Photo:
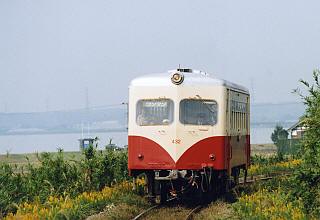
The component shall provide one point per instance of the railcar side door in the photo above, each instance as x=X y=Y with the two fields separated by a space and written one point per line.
x=238 y=127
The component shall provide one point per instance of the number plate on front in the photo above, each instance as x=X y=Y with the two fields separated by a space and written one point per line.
x=176 y=141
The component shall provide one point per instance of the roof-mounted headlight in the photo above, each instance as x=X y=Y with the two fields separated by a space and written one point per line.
x=177 y=78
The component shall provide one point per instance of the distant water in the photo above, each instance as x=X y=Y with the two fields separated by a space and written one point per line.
x=50 y=142
x=69 y=142
x=261 y=135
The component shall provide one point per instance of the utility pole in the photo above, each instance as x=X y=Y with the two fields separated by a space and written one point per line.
x=127 y=112
x=87 y=98
x=252 y=90
x=87 y=110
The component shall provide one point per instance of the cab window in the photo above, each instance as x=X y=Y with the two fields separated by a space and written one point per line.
x=154 y=112
x=198 y=112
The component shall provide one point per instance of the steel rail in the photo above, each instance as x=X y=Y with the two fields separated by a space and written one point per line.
x=193 y=211
x=152 y=208
x=146 y=211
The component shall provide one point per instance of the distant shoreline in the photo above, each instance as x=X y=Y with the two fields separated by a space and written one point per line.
x=61 y=132
x=79 y=131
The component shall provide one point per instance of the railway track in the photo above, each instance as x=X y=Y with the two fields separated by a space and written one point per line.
x=145 y=212
x=191 y=213
x=254 y=179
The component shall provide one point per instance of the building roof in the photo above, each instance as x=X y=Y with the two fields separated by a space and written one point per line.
x=191 y=78
x=300 y=123
x=86 y=139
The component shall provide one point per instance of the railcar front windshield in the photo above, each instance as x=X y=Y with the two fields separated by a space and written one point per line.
x=198 y=112
x=154 y=112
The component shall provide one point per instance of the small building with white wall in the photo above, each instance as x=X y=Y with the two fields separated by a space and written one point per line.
x=297 y=130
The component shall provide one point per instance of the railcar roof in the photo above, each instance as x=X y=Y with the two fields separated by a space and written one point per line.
x=194 y=78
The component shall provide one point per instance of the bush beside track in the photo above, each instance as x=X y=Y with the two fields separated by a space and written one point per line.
x=54 y=184
x=80 y=206
x=301 y=192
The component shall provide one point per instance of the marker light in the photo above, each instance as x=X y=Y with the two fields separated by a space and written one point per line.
x=212 y=156
x=177 y=78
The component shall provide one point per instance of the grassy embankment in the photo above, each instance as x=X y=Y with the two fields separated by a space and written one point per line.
x=119 y=202
x=263 y=149
x=33 y=158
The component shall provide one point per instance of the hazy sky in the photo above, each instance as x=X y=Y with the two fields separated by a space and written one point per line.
x=50 y=51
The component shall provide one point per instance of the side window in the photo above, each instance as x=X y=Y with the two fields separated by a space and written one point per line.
x=154 y=112
x=239 y=116
x=198 y=112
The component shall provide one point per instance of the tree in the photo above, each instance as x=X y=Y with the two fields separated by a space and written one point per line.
x=307 y=177
x=279 y=133
x=279 y=138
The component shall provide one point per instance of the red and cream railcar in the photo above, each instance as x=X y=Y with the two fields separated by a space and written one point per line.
x=187 y=130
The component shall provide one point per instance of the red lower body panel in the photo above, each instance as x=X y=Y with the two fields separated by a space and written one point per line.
x=210 y=152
